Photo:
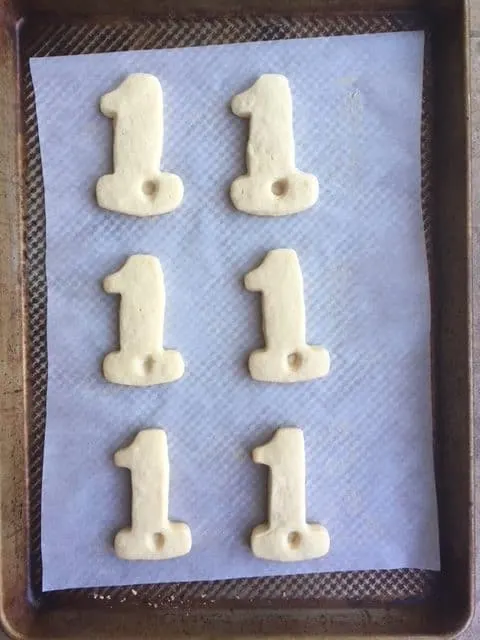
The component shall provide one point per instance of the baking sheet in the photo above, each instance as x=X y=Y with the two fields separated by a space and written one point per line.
x=357 y=110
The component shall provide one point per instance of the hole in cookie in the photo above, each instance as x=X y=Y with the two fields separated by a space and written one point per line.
x=294 y=361
x=279 y=188
x=158 y=541
x=294 y=539
x=150 y=188
x=148 y=364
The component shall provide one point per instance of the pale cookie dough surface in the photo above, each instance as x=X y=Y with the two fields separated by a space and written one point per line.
x=137 y=186
x=142 y=359
x=152 y=535
x=273 y=185
x=286 y=357
x=287 y=537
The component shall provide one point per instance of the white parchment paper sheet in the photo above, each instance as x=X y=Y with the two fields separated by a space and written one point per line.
x=357 y=115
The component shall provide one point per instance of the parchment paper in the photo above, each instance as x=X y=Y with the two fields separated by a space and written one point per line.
x=357 y=114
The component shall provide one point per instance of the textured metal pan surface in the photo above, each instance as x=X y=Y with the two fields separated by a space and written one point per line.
x=65 y=39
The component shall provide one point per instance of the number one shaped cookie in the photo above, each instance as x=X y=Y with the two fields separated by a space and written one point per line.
x=137 y=187
x=152 y=535
x=142 y=360
x=287 y=357
x=273 y=186
x=287 y=536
